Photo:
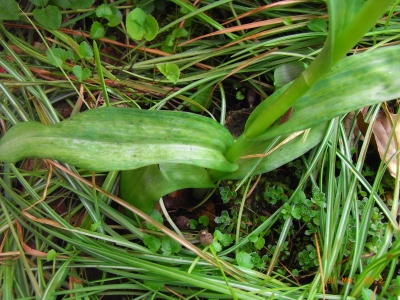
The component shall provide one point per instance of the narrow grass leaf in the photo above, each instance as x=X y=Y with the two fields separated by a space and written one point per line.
x=57 y=280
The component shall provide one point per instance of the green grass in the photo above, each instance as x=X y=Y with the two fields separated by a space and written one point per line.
x=99 y=251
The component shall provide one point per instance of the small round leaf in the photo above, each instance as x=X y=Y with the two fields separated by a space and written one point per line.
x=97 y=31
x=170 y=70
x=103 y=11
x=141 y=25
x=49 y=17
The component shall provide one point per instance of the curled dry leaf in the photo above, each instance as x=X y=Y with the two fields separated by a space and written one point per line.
x=381 y=137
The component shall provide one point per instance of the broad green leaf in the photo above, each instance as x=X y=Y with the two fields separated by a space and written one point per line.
x=103 y=11
x=341 y=13
x=288 y=72
x=202 y=97
x=143 y=187
x=357 y=81
x=62 y=3
x=170 y=70
x=57 y=56
x=39 y=2
x=97 y=31
x=135 y=23
x=9 y=10
x=85 y=51
x=281 y=156
x=113 y=138
x=80 y=4
x=141 y=25
x=338 y=44
x=81 y=74
x=49 y=17
x=317 y=25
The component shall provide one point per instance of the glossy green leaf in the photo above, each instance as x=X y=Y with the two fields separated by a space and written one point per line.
x=141 y=25
x=170 y=70
x=49 y=17
x=356 y=81
x=113 y=138
x=143 y=187
x=97 y=31
x=9 y=10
